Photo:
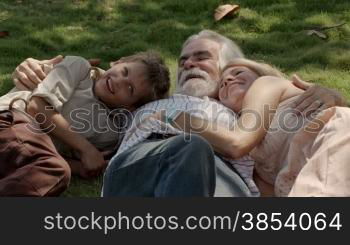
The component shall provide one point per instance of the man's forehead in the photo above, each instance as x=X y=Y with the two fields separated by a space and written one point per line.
x=200 y=46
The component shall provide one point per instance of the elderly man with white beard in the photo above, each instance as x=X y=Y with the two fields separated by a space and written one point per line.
x=157 y=160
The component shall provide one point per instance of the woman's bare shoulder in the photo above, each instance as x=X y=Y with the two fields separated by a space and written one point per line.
x=283 y=85
x=272 y=79
x=270 y=84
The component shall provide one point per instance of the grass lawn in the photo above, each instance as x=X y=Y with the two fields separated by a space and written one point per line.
x=269 y=30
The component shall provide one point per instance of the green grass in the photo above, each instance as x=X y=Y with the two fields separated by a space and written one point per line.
x=269 y=30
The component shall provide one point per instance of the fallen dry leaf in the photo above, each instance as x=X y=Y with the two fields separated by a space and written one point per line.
x=4 y=34
x=226 y=10
x=94 y=62
x=317 y=33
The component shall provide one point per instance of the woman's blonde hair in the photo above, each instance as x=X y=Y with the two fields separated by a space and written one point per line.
x=262 y=69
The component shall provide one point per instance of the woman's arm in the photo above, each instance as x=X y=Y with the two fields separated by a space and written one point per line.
x=30 y=72
x=59 y=85
x=259 y=106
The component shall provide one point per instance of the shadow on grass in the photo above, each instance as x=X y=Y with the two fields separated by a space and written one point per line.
x=111 y=29
x=270 y=30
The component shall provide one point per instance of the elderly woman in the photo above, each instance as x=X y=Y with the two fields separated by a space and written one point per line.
x=74 y=105
x=300 y=155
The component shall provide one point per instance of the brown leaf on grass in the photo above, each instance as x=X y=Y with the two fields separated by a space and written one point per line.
x=94 y=62
x=226 y=10
x=317 y=33
x=4 y=34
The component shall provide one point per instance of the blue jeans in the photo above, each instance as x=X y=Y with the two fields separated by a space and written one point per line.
x=172 y=167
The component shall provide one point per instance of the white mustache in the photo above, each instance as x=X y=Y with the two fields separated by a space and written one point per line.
x=193 y=72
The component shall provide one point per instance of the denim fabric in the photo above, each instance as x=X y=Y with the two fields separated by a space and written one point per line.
x=172 y=167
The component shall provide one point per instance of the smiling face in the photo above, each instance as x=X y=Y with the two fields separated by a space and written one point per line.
x=123 y=85
x=235 y=82
x=198 y=68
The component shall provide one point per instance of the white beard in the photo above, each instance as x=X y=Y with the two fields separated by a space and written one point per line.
x=197 y=87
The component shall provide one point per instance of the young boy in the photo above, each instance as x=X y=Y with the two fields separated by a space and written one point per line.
x=75 y=108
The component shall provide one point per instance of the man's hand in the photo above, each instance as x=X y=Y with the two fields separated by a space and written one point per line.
x=30 y=72
x=315 y=97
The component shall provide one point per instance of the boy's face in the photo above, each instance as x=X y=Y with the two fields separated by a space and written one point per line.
x=123 y=85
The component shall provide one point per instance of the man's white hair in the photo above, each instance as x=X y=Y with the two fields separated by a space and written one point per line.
x=229 y=50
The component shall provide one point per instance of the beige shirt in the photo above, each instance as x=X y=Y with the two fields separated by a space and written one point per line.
x=68 y=88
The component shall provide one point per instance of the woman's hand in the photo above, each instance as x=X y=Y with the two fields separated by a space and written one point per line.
x=315 y=98
x=30 y=72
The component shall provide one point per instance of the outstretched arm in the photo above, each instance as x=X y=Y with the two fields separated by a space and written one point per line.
x=259 y=106
x=92 y=162
x=46 y=103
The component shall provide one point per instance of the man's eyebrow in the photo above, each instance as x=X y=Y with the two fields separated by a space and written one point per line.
x=196 y=54
x=202 y=52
